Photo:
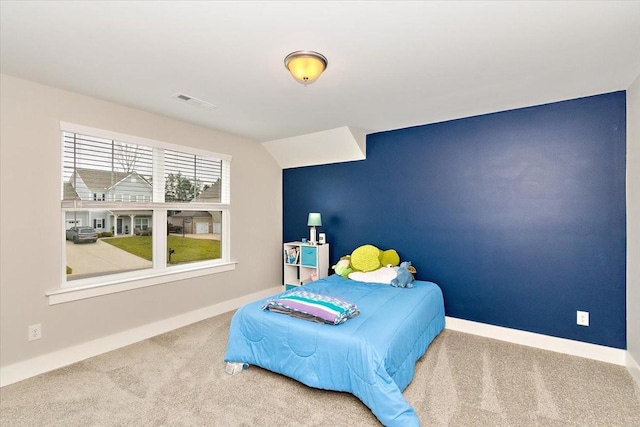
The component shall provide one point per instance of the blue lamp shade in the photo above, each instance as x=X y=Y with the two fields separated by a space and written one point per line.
x=315 y=220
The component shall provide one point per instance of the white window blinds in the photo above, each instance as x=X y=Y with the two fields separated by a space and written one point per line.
x=104 y=169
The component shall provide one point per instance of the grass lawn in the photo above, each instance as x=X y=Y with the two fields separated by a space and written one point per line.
x=186 y=249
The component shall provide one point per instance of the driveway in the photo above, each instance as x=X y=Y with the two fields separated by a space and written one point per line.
x=100 y=257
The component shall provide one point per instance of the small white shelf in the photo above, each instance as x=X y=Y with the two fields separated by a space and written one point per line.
x=304 y=263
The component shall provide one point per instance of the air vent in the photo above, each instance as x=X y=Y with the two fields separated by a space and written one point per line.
x=194 y=101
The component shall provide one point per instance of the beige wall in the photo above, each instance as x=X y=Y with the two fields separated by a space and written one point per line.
x=30 y=236
x=633 y=220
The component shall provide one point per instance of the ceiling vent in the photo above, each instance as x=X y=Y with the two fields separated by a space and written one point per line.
x=194 y=101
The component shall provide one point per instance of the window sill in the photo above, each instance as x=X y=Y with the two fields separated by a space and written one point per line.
x=61 y=296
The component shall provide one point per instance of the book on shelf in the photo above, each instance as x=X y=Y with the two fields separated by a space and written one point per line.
x=291 y=255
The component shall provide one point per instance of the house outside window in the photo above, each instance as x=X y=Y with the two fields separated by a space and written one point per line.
x=142 y=223
x=130 y=186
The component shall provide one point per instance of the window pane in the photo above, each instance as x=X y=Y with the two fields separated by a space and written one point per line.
x=101 y=242
x=193 y=236
x=190 y=177
x=99 y=169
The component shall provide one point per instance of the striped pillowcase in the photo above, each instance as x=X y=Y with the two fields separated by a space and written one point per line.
x=312 y=306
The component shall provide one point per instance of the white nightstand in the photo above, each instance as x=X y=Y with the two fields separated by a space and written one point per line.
x=304 y=262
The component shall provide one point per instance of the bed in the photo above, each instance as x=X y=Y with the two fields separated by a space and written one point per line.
x=371 y=355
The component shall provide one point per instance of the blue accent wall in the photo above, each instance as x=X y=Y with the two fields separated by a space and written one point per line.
x=519 y=216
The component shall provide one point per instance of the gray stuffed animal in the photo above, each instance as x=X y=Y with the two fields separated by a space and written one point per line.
x=404 y=276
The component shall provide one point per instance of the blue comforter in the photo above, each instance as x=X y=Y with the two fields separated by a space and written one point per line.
x=372 y=355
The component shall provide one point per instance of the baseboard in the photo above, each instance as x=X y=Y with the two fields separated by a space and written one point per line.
x=634 y=368
x=38 y=365
x=544 y=342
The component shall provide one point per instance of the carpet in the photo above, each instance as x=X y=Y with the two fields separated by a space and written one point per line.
x=178 y=379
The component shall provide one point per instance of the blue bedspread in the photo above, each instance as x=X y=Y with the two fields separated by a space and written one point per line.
x=372 y=355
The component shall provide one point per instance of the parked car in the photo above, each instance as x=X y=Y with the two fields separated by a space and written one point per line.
x=82 y=234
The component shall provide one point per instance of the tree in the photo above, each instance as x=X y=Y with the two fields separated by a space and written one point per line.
x=127 y=155
x=178 y=188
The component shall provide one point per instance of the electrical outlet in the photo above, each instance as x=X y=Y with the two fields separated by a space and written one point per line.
x=35 y=332
x=583 y=318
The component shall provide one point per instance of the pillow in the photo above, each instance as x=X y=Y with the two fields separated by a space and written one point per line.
x=311 y=306
x=382 y=275
x=366 y=258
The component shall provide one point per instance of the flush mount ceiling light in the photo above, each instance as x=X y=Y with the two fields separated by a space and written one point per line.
x=305 y=65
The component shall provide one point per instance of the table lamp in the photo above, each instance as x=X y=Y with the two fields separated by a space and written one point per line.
x=315 y=220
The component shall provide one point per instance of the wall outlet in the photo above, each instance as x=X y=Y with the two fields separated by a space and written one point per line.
x=583 y=318
x=35 y=332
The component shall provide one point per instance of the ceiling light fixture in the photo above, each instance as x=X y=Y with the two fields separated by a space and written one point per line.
x=305 y=65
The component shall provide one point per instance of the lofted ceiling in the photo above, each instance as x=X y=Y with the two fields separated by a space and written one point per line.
x=392 y=64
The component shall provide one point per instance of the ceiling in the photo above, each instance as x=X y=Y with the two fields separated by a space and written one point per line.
x=391 y=64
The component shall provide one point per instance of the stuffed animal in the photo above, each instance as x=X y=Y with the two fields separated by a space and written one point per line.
x=343 y=267
x=367 y=263
x=366 y=258
x=404 y=276
x=390 y=257
x=370 y=258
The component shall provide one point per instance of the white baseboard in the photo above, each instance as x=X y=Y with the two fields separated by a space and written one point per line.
x=544 y=342
x=634 y=368
x=38 y=365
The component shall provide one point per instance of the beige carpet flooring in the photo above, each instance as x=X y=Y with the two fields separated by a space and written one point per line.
x=178 y=379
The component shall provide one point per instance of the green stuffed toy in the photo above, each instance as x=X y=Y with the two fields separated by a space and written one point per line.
x=343 y=267
x=390 y=258
x=366 y=258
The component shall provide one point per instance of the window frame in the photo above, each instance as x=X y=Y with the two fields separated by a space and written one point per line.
x=160 y=272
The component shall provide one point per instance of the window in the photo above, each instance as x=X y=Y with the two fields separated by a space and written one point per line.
x=142 y=223
x=167 y=207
